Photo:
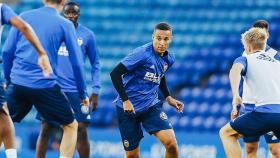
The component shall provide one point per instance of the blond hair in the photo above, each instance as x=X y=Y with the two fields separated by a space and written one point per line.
x=255 y=37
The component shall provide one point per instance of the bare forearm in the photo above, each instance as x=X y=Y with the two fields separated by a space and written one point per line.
x=235 y=78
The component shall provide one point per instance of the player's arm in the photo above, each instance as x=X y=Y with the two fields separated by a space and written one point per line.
x=239 y=68
x=75 y=57
x=179 y=106
x=116 y=77
x=9 y=17
x=93 y=55
x=8 y=52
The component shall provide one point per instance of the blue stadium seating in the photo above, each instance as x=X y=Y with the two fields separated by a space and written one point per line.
x=206 y=41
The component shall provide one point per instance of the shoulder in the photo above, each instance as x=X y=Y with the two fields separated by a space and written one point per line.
x=88 y=33
x=145 y=50
x=171 y=57
x=242 y=60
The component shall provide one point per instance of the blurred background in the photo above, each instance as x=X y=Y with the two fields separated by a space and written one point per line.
x=206 y=41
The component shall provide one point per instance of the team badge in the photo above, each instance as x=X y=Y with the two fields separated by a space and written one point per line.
x=165 y=67
x=163 y=116
x=126 y=143
x=80 y=41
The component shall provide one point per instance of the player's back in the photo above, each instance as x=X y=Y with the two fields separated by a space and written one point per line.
x=263 y=78
x=50 y=28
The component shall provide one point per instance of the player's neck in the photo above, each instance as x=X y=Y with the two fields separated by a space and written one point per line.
x=57 y=7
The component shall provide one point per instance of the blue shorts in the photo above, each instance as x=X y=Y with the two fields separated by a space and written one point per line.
x=153 y=120
x=50 y=102
x=255 y=124
x=269 y=137
x=75 y=102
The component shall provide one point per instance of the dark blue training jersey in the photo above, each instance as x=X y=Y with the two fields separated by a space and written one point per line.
x=146 y=68
x=20 y=57
x=66 y=78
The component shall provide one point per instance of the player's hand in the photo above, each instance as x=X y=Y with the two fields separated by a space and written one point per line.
x=179 y=106
x=44 y=63
x=93 y=99
x=236 y=101
x=128 y=107
x=85 y=102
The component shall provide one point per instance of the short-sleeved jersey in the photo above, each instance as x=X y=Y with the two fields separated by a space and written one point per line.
x=146 y=68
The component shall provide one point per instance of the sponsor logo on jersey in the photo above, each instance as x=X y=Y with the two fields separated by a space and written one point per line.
x=265 y=57
x=153 y=77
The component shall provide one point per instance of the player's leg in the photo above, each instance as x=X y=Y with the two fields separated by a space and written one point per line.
x=274 y=149
x=251 y=149
x=155 y=122
x=18 y=107
x=249 y=124
x=273 y=144
x=69 y=139
x=168 y=139
x=251 y=146
x=83 y=145
x=7 y=134
x=229 y=139
x=43 y=139
x=131 y=133
x=52 y=104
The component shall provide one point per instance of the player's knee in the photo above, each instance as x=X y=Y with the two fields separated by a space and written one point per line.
x=171 y=146
x=250 y=149
x=275 y=150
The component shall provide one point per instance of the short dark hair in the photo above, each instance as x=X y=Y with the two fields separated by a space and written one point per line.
x=261 y=24
x=72 y=3
x=54 y=1
x=163 y=26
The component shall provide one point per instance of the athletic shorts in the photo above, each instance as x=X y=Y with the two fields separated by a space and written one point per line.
x=255 y=124
x=152 y=120
x=269 y=137
x=51 y=103
x=75 y=102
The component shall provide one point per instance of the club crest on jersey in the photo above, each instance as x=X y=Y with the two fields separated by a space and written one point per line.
x=165 y=67
x=126 y=143
x=80 y=41
x=163 y=116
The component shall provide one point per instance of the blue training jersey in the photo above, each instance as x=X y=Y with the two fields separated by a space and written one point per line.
x=146 y=68
x=66 y=78
x=20 y=57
